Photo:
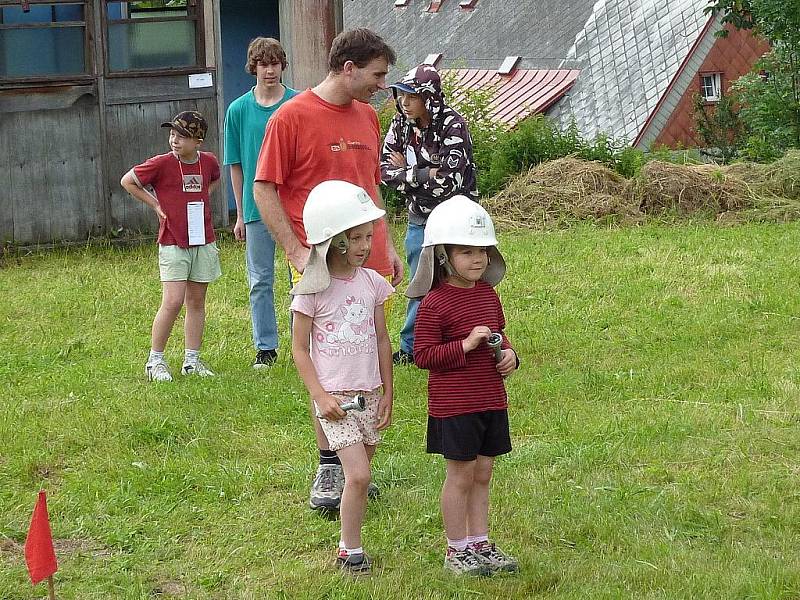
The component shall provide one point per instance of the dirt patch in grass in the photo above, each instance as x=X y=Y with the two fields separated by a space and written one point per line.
x=10 y=550
x=14 y=551
x=169 y=589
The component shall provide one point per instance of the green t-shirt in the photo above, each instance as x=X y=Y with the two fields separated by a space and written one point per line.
x=245 y=124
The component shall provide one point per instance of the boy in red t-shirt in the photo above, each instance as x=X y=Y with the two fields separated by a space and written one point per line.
x=177 y=186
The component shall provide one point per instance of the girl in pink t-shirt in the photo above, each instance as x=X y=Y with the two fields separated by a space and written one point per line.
x=341 y=346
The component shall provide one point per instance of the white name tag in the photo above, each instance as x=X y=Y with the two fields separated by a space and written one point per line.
x=195 y=217
x=193 y=183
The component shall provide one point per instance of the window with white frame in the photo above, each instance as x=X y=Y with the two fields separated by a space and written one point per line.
x=711 y=87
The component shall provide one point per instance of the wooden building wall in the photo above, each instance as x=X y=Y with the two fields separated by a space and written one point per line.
x=49 y=166
x=65 y=146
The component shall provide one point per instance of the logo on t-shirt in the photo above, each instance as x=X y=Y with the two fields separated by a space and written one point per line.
x=343 y=146
x=192 y=183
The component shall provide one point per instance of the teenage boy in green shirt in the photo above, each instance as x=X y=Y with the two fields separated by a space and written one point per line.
x=245 y=123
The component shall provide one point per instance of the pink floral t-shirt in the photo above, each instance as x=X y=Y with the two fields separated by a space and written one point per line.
x=344 y=347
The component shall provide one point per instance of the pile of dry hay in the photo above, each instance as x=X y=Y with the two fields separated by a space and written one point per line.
x=566 y=190
x=663 y=187
x=775 y=188
x=560 y=191
x=780 y=179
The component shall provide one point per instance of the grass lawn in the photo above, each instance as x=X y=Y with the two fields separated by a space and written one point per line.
x=655 y=421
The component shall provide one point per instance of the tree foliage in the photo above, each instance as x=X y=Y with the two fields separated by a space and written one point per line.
x=719 y=127
x=770 y=96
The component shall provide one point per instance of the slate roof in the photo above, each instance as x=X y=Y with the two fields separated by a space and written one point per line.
x=629 y=52
x=540 y=31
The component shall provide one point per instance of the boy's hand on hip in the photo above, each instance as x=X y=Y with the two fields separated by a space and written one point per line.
x=161 y=214
x=384 y=412
x=476 y=337
x=508 y=363
x=328 y=407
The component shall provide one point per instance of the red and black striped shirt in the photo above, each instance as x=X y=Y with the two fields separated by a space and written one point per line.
x=459 y=383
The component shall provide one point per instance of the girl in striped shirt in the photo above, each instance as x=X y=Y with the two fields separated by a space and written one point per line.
x=467 y=401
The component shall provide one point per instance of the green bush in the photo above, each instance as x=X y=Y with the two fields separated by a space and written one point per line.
x=538 y=139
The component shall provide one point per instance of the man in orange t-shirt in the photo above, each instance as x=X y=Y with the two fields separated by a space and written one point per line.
x=328 y=132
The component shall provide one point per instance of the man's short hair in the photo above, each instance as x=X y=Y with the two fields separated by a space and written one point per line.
x=266 y=50
x=361 y=46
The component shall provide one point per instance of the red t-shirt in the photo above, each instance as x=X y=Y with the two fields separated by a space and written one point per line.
x=459 y=383
x=308 y=141
x=166 y=175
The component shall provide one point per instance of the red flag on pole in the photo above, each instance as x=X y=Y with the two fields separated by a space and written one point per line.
x=39 y=553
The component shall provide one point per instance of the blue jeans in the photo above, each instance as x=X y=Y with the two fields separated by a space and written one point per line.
x=261 y=277
x=413 y=247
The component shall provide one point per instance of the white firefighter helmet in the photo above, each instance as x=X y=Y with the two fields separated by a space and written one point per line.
x=331 y=208
x=457 y=221
x=461 y=221
x=335 y=206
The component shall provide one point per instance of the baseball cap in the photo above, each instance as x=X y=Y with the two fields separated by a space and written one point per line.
x=189 y=123
x=404 y=87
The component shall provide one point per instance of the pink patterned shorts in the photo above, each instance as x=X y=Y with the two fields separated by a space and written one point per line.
x=357 y=427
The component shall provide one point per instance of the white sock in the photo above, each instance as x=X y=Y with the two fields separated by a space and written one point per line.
x=191 y=356
x=350 y=551
x=457 y=545
x=477 y=539
x=155 y=357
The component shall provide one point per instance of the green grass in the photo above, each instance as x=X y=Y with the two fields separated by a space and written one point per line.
x=655 y=422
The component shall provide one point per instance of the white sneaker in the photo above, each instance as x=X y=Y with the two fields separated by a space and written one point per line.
x=196 y=368
x=157 y=371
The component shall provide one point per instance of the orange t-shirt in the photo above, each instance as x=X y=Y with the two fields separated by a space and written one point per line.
x=308 y=141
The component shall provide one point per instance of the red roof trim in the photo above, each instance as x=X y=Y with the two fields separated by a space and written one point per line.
x=519 y=95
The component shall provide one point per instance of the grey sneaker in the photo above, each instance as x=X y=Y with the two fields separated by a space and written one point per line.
x=494 y=558
x=465 y=562
x=326 y=491
x=196 y=368
x=157 y=371
x=357 y=565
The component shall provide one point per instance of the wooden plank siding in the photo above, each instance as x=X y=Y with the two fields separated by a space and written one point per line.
x=66 y=142
x=48 y=168
x=6 y=191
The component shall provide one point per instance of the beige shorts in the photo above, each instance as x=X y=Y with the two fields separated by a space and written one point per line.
x=196 y=263
x=357 y=427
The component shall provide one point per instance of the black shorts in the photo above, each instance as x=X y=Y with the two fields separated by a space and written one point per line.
x=464 y=437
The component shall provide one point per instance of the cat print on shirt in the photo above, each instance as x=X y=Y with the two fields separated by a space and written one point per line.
x=354 y=328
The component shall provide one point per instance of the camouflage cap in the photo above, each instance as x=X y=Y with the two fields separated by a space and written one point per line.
x=189 y=123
